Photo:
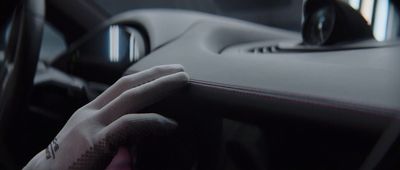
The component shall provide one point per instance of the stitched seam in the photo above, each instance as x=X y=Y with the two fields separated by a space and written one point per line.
x=326 y=103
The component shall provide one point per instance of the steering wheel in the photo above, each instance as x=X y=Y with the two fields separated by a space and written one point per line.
x=17 y=71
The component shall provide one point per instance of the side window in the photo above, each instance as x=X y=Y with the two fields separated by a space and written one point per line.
x=52 y=43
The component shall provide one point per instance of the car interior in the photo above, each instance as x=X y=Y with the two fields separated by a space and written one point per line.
x=274 y=85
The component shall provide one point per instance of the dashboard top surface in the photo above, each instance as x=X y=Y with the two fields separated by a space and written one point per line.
x=365 y=77
x=363 y=80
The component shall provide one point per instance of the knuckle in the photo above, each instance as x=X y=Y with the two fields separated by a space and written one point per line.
x=124 y=80
x=158 y=69
x=129 y=94
x=157 y=118
x=154 y=115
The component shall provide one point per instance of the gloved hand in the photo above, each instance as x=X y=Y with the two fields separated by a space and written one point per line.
x=94 y=132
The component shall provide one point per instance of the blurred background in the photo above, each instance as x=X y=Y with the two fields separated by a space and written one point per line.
x=278 y=13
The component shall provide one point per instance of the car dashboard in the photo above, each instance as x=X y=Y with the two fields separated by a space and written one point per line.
x=217 y=54
x=257 y=80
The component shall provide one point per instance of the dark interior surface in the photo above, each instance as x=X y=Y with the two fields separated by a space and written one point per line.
x=316 y=110
x=307 y=109
x=364 y=79
x=258 y=11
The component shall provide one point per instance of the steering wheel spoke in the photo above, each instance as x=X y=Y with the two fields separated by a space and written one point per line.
x=17 y=70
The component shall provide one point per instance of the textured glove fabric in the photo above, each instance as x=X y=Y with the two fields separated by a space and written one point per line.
x=92 y=135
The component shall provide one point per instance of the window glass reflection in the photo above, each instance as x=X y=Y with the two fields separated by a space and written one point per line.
x=355 y=4
x=381 y=15
x=367 y=8
x=381 y=19
x=114 y=43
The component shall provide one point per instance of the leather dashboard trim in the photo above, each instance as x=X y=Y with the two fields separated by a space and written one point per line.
x=307 y=107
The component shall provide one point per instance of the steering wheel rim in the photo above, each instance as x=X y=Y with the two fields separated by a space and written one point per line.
x=17 y=72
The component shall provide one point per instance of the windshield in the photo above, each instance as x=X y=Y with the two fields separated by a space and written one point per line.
x=380 y=15
x=266 y=12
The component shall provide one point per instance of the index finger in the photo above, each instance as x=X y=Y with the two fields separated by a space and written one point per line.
x=131 y=81
x=142 y=96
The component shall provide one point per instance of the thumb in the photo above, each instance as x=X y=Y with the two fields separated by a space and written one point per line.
x=132 y=128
